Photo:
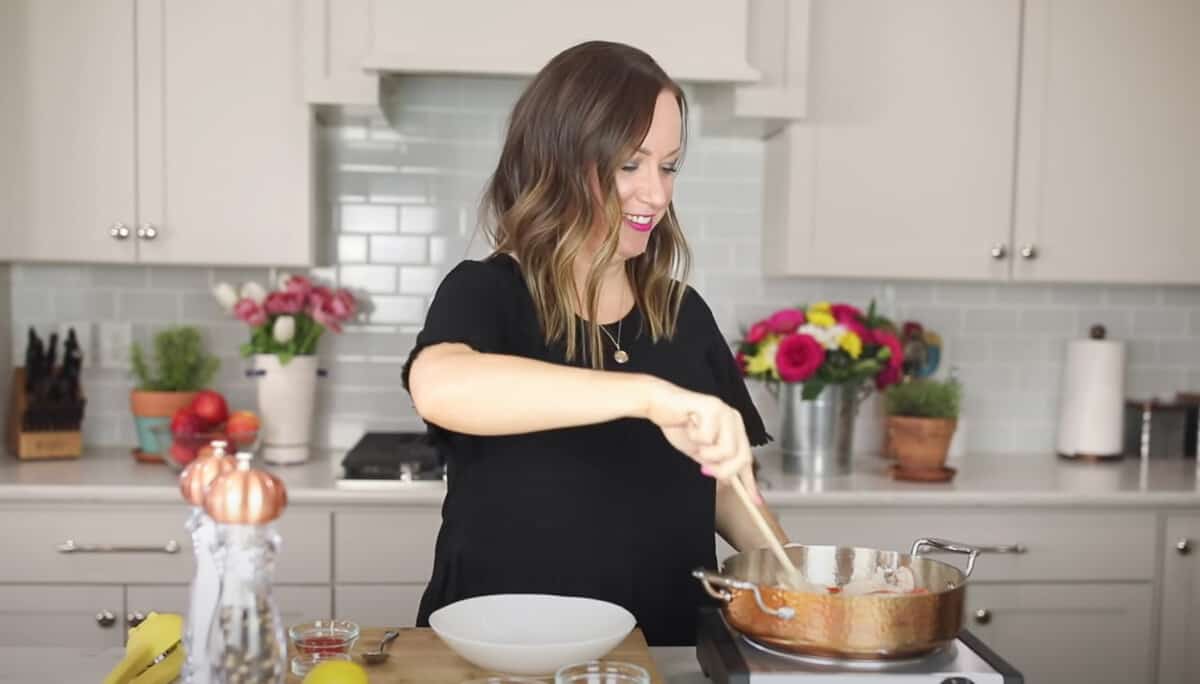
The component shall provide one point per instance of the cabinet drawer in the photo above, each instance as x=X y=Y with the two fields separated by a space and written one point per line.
x=386 y=547
x=36 y=534
x=296 y=603
x=1057 y=545
x=47 y=615
x=393 y=605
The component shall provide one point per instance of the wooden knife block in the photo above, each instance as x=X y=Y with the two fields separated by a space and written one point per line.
x=37 y=445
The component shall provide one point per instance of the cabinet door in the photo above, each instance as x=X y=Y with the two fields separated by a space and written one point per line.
x=1073 y=632
x=1179 y=659
x=379 y=605
x=225 y=137
x=66 y=129
x=904 y=166
x=296 y=603
x=1109 y=151
x=82 y=616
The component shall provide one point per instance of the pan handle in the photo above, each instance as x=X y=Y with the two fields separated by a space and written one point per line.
x=947 y=545
x=708 y=579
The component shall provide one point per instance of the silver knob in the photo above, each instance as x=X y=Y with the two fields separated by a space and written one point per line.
x=147 y=231
x=134 y=619
x=1029 y=252
x=118 y=231
x=983 y=616
x=1183 y=546
x=999 y=251
x=106 y=619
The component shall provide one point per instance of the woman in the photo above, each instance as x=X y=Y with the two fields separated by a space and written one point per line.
x=589 y=410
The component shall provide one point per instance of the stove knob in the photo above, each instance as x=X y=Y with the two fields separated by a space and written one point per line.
x=957 y=680
x=983 y=616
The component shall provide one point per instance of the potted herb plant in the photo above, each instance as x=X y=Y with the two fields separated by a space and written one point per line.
x=180 y=368
x=922 y=416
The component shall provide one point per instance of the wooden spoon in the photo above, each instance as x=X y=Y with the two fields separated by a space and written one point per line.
x=792 y=574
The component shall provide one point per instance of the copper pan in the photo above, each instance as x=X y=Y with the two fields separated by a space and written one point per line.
x=853 y=602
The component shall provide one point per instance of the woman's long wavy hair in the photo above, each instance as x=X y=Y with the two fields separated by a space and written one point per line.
x=580 y=119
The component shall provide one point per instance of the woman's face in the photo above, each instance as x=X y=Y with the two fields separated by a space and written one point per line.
x=646 y=181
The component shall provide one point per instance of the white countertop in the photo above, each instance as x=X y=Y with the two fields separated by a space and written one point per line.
x=24 y=665
x=110 y=475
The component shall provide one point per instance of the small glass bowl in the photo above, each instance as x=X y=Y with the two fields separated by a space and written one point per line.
x=178 y=451
x=304 y=663
x=503 y=679
x=602 y=672
x=324 y=637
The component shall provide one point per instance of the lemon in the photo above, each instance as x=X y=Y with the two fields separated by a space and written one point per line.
x=336 y=672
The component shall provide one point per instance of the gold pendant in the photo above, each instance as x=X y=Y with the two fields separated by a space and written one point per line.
x=620 y=356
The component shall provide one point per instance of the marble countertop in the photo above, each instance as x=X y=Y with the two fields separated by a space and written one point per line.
x=110 y=475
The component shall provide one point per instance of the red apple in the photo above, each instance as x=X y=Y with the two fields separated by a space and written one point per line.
x=182 y=454
x=211 y=407
x=242 y=428
x=185 y=422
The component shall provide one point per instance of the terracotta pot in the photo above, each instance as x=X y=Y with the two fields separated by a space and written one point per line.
x=920 y=443
x=151 y=409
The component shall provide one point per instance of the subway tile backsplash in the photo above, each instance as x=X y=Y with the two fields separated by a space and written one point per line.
x=402 y=185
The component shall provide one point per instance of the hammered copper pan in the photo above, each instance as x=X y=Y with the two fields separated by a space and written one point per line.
x=854 y=602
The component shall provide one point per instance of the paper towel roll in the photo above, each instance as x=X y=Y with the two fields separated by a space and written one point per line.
x=1091 y=412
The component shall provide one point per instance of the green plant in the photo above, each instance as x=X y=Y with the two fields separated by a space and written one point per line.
x=924 y=399
x=181 y=364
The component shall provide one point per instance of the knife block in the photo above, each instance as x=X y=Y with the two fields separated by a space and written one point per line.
x=30 y=445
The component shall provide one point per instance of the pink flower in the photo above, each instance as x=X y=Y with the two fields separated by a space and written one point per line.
x=886 y=339
x=798 y=358
x=318 y=297
x=323 y=316
x=886 y=377
x=757 y=332
x=343 y=305
x=298 y=285
x=284 y=303
x=740 y=358
x=845 y=312
x=786 y=321
x=249 y=311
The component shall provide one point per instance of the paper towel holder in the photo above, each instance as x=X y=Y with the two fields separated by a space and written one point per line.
x=1096 y=332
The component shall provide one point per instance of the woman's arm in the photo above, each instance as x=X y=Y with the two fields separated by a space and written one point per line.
x=736 y=527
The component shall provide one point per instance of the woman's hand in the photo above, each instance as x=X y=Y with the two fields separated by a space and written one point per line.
x=706 y=429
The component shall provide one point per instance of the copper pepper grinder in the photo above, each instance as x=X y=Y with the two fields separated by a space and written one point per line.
x=246 y=638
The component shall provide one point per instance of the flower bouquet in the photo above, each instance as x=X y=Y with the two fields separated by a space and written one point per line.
x=285 y=327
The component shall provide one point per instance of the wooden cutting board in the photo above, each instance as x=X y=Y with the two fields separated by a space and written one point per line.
x=420 y=657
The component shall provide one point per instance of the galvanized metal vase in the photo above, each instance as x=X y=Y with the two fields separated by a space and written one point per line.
x=817 y=435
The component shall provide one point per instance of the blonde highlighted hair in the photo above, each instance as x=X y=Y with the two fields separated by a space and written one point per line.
x=585 y=113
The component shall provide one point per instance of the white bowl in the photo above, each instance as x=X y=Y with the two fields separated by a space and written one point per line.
x=531 y=634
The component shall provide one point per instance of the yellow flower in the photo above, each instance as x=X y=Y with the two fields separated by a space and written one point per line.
x=819 y=307
x=821 y=319
x=852 y=343
x=764 y=360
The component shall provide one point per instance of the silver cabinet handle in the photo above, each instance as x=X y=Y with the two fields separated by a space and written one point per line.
x=983 y=616
x=147 y=231
x=106 y=619
x=1029 y=252
x=118 y=231
x=999 y=251
x=70 y=546
x=134 y=619
x=1183 y=546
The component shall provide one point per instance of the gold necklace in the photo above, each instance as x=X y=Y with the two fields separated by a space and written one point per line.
x=620 y=356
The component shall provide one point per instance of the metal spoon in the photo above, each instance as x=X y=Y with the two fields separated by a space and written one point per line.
x=379 y=655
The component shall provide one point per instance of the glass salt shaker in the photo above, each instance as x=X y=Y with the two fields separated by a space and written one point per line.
x=194 y=483
x=246 y=638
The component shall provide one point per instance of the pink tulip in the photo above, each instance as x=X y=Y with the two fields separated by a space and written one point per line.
x=288 y=303
x=299 y=285
x=250 y=312
x=343 y=305
x=325 y=318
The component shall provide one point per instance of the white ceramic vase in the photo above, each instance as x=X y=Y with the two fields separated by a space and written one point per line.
x=286 y=399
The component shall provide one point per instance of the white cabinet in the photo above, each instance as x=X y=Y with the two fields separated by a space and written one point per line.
x=379 y=605
x=903 y=167
x=84 y=616
x=1178 y=657
x=155 y=131
x=67 y=130
x=1067 y=632
x=1109 y=154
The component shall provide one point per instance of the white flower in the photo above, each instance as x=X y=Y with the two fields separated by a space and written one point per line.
x=284 y=330
x=253 y=290
x=226 y=296
x=826 y=337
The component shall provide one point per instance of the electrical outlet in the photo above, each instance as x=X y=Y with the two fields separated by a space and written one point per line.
x=83 y=335
x=115 y=339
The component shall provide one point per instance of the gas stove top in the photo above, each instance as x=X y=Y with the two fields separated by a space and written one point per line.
x=728 y=657
x=381 y=457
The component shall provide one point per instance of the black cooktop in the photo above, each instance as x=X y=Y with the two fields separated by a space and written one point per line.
x=393 y=456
